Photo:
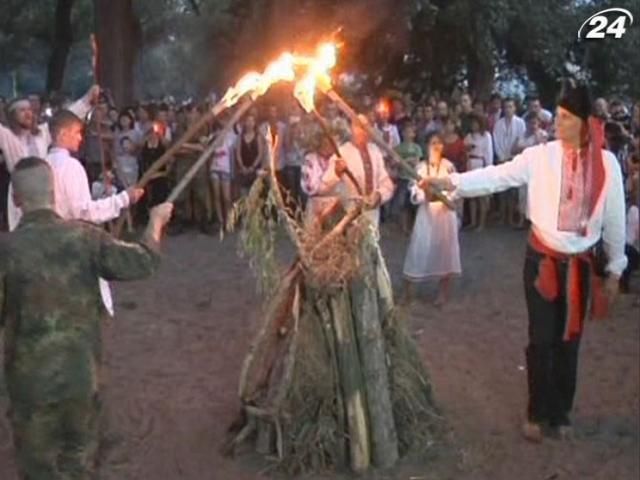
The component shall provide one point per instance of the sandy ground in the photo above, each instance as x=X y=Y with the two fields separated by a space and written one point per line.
x=174 y=353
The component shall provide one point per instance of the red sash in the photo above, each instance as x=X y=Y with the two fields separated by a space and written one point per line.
x=548 y=285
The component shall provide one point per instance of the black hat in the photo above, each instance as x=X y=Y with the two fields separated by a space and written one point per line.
x=576 y=98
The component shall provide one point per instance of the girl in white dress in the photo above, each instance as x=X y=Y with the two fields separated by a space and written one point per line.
x=433 y=251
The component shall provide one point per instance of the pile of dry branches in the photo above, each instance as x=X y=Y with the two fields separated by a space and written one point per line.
x=305 y=388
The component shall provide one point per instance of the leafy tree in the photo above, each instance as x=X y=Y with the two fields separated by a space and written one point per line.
x=187 y=47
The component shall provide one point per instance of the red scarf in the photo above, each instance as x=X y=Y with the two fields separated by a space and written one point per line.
x=596 y=144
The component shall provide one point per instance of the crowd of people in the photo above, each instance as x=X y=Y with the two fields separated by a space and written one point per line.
x=436 y=135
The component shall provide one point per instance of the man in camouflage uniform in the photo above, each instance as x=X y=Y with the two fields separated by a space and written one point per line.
x=51 y=310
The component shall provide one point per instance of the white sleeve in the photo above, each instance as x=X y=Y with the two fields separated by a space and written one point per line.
x=492 y=179
x=395 y=137
x=80 y=204
x=416 y=194
x=81 y=107
x=488 y=149
x=329 y=179
x=614 y=222
x=310 y=176
x=11 y=146
x=385 y=184
x=522 y=130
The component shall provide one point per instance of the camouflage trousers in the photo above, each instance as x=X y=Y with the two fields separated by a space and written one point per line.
x=56 y=441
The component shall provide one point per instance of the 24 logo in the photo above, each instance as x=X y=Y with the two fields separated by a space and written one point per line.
x=605 y=24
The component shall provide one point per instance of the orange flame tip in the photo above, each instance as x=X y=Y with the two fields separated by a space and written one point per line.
x=317 y=75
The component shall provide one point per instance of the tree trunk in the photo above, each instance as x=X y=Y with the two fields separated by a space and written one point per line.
x=63 y=38
x=118 y=38
x=480 y=57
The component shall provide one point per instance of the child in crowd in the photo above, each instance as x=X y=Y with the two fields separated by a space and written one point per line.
x=221 y=176
x=410 y=151
x=127 y=163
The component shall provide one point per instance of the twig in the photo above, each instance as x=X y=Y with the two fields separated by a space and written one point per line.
x=338 y=229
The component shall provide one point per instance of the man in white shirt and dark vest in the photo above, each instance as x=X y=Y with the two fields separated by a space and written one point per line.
x=575 y=203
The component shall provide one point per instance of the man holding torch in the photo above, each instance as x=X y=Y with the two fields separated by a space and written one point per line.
x=575 y=204
x=366 y=163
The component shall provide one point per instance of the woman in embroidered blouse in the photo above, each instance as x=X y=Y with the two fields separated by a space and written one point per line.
x=434 y=251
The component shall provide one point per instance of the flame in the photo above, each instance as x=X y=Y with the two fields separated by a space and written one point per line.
x=279 y=71
x=248 y=83
x=257 y=84
x=317 y=75
x=283 y=69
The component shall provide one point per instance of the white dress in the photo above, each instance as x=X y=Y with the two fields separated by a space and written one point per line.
x=433 y=250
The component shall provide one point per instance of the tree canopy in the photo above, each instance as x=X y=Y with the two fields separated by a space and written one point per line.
x=187 y=47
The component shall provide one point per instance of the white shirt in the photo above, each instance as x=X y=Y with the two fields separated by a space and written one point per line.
x=73 y=201
x=222 y=159
x=390 y=134
x=313 y=171
x=481 y=151
x=633 y=227
x=506 y=136
x=540 y=168
x=17 y=147
x=343 y=187
x=72 y=195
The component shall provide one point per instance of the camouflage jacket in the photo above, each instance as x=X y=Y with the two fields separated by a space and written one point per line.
x=50 y=304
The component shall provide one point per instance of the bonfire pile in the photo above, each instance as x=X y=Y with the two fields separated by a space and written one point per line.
x=332 y=378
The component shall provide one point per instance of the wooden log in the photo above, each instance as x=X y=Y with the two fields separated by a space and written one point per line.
x=368 y=321
x=324 y=317
x=351 y=381
x=265 y=440
x=263 y=351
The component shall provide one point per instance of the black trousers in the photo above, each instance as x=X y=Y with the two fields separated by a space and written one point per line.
x=552 y=363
